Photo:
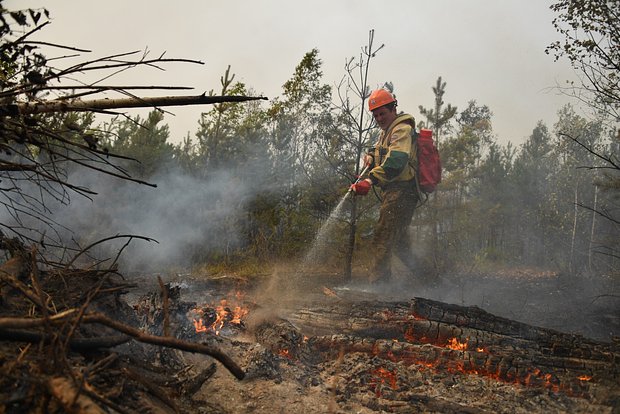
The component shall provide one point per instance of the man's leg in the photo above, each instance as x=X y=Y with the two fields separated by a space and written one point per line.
x=394 y=217
x=402 y=241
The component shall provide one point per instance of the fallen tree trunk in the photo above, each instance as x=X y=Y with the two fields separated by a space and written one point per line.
x=456 y=338
x=97 y=105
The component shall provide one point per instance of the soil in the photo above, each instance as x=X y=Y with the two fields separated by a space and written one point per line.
x=361 y=383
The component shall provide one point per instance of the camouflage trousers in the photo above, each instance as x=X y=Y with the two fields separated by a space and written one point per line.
x=391 y=235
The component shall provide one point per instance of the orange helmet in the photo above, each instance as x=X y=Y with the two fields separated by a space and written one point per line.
x=378 y=98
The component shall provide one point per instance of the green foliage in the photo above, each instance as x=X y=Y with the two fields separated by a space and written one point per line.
x=591 y=42
x=229 y=134
x=438 y=118
x=295 y=159
x=145 y=141
x=21 y=63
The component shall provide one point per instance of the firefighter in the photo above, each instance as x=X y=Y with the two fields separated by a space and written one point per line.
x=391 y=163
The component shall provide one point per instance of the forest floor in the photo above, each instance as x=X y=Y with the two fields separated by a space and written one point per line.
x=586 y=307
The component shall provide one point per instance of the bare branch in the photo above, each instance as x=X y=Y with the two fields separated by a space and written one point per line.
x=29 y=108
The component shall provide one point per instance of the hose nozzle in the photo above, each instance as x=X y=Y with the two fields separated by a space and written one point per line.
x=359 y=177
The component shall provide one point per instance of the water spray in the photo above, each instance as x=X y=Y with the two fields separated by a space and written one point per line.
x=323 y=237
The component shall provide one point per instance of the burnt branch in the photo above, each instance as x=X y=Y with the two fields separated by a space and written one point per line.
x=167 y=342
x=132 y=332
x=76 y=344
x=106 y=239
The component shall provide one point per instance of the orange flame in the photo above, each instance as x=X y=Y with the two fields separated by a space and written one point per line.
x=199 y=325
x=456 y=345
x=584 y=378
x=223 y=314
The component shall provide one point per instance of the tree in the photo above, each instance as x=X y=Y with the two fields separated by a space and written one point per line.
x=591 y=30
x=438 y=117
x=296 y=125
x=494 y=210
x=354 y=134
x=144 y=140
x=578 y=176
x=535 y=197
x=38 y=150
x=427 y=220
x=219 y=141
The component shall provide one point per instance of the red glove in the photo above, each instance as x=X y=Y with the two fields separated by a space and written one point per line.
x=361 y=187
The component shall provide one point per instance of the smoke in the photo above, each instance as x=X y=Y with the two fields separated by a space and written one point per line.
x=182 y=214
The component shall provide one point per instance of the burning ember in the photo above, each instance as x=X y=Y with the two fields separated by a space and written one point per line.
x=215 y=319
x=381 y=377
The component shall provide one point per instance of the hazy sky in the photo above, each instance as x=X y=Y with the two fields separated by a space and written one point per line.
x=491 y=51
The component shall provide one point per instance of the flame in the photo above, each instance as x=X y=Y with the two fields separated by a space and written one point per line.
x=199 y=325
x=584 y=378
x=237 y=314
x=456 y=345
x=219 y=316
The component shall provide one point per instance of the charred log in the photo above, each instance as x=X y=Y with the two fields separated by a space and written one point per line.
x=460 y=339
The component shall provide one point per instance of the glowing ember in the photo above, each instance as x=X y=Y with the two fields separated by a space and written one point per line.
x=584 y=378
x=383 y=376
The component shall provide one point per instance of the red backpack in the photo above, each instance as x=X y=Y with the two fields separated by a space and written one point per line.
x=429 y=163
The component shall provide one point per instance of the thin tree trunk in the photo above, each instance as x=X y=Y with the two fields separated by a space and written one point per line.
x=592 y=227
x=573 y=236
x=351 y=243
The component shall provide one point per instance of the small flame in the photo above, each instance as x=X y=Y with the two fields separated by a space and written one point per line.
x=199 y=325
x=456 y=345
x=584 y=378
x=218 y=317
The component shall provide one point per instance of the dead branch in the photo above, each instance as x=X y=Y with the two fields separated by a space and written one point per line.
x=193 y=385
x=76 y=344
x=607 y=159
x=22 y=287
x=167 y=342
x=151 y=387
x=30 y=108
x=24 y=323
x=118 y=236
x=134 y=333
x=73 y=402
